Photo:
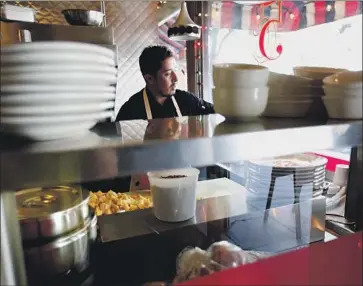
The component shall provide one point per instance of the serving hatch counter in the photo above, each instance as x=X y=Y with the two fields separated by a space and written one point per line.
x=134 y=247
x=131 y=147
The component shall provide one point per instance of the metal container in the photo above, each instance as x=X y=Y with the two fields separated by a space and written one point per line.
x=81 y=17
x=16 y=13
x=46 y=213
x=68 y=252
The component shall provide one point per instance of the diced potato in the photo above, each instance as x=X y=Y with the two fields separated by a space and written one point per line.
x=111 y=202
x=98 y=212
x=133 y=207
x=92 y=204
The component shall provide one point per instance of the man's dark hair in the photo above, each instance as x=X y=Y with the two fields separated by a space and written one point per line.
x=152 y=57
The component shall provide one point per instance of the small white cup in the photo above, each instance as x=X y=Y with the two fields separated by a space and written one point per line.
x=341 y=175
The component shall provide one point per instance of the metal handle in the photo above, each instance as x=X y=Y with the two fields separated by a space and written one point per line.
x=12 y=257
x=103 y=10
x=24 y=36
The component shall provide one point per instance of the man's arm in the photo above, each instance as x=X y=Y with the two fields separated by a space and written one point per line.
x=125 y=112
x=200 y=106
x=132 y=109
x=208 y=107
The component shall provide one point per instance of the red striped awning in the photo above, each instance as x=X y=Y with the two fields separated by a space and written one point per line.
x=295 y=14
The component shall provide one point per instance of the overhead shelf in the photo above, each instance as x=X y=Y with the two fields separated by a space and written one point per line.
x=123 y=148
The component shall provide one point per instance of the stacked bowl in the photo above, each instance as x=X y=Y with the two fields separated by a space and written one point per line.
x=240 y=90
x=290 y=96
x=58 y=231
x=316 y=73
x=55 y=90
x=343 y=92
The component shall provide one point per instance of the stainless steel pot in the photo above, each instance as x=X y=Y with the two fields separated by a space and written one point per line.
x=65 y=253
x=46 y=213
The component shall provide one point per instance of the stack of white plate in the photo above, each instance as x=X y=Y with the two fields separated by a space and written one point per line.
x=291 y=95
x=291 y=172
x=55 y=90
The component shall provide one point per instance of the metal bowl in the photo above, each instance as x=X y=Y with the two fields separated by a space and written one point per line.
x=46 y=213
x=68 y=252
x=81 y=17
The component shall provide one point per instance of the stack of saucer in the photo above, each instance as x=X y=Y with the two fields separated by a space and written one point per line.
x=286 y=175
x=55 y=90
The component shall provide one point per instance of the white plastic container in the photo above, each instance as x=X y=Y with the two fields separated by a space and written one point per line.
x=174 y=198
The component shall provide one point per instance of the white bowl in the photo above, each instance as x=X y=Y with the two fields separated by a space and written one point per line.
x=55 y=57
x=65 y=108
x=348 y=79
x=240 y=75
x=53 y=119
x=174 y=199
x=317 y=73
x=52 y=89
x=47 y=132
x=276 y=90
x=290 y=97
x=67 y=78
x=58 y=46
x=289 y=80
x=54 y=98
x=240 y=102
x=338 y=92
x=288 y=108
x=344 y=107
x=57 y=68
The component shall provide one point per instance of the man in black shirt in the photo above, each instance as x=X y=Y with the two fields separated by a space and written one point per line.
x=160 y=98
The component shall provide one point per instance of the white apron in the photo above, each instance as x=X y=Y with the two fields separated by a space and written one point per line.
x=141 y=182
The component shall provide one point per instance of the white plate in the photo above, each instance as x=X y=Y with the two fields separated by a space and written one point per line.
x=57 y=109
x=50 y=88
x=48 y=57
x=54 y=98
x=51 y=132
x=297 y=161
x=64 y=77
x=71 y=67
x=59 y=46
x=48 y=120
x=88 y=140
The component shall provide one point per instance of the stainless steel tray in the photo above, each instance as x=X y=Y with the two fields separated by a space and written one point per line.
x=214 y=141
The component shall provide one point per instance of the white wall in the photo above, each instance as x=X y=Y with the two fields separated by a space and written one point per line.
x=321 y=45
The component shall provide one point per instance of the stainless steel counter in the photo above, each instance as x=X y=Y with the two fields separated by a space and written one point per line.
x=277 y=229
x=123 y=148
x=137 y=242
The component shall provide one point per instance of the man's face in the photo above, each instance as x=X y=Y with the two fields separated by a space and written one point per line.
x=166 y=78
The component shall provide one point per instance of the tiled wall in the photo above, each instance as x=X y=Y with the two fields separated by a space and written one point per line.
x=135 y=24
